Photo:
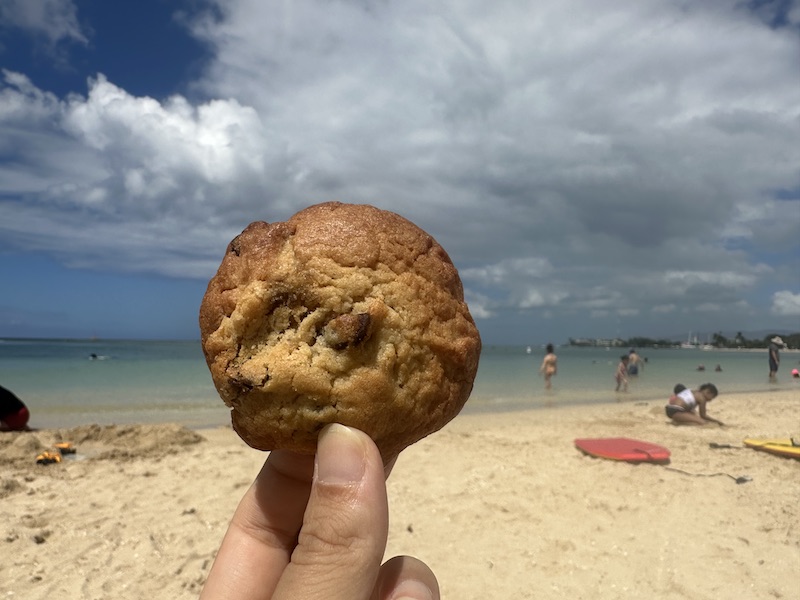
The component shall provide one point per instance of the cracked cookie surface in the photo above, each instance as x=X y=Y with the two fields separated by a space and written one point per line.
x=344 y=313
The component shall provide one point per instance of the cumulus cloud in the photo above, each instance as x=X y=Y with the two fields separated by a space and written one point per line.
x=133 y=178
x=511 y=269
x=53 y=20
x=582 y=158
x=786 y=303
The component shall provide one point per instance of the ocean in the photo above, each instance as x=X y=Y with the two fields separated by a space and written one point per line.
x=167 y=381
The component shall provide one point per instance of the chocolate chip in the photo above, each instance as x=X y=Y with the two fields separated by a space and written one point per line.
x=347 y=330
x=247 y=383
x=363 y=328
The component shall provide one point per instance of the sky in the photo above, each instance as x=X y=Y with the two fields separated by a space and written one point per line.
x=594 y=168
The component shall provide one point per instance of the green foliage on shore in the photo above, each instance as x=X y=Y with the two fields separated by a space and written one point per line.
x=791 y=340
x=717 y=340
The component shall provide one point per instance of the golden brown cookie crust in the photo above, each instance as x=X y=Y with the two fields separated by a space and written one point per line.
x=344 y=313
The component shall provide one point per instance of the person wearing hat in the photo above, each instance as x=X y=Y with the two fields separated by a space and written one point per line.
x=775 y=345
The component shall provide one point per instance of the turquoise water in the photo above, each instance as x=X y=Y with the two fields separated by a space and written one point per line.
x=129 y=382
x=508 y=377
x=163 y=381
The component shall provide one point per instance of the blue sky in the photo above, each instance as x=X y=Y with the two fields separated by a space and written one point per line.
x=594 y=168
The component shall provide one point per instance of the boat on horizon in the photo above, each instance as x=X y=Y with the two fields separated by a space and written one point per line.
x=690 y=343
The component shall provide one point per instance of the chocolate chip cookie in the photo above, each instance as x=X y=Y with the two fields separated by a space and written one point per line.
x=344 y=313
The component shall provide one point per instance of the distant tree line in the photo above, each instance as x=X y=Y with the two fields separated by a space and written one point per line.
x=717 y=340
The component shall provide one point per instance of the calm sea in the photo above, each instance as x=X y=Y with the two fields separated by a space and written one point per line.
x=164 y=381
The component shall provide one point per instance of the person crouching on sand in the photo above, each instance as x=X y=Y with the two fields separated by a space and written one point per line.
x=682 y=404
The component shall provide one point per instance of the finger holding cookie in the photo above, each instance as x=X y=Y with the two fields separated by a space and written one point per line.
x=277 y=547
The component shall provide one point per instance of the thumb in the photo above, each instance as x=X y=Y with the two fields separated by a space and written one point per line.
x=345 y=526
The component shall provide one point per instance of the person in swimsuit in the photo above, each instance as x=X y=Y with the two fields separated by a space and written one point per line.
x=549 y=366
x=634 y=361
x=683 y=402
x=622 y=373
x=14 y=414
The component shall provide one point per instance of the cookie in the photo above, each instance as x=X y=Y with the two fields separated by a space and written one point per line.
x=344 y=313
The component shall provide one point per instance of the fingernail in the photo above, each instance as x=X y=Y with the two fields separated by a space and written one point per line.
x=411 y=589
x=340 y=456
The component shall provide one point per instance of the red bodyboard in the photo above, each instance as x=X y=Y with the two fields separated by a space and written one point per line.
x=624 y=449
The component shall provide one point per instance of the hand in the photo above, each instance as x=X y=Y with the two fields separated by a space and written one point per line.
x=316 y=528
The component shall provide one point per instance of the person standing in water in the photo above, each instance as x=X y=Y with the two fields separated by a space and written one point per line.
x=634 y=363
x=775 y=344
x=621 y=374
x=549 y=366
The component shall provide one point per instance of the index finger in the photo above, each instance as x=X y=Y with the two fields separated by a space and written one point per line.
x=263 y=531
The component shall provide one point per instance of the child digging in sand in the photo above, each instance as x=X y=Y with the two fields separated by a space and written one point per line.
x=683 y=402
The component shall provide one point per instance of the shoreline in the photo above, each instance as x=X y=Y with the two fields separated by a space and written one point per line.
x=215 y=415
x=500 y=505
x=624 y=398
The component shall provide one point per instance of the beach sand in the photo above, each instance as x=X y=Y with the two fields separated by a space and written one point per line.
x=499 y=505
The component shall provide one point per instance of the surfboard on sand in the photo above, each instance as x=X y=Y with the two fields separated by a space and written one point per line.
x=781 y=447
x=625 y=449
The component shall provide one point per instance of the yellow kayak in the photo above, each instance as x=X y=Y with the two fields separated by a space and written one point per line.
x=781 y=447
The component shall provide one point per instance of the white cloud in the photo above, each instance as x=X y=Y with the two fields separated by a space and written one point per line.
x=664 y=308
x=533 y=298
x=218 y=141
x=681 y=281
x=55 y=20
x=511 y=269
x=479 y=305
x=136 y=178
x=786 y=303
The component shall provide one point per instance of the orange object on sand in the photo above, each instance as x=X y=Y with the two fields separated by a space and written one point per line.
x=46 y=458
x=65 y=447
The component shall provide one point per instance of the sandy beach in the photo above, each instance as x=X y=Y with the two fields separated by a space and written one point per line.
x=499 y=505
